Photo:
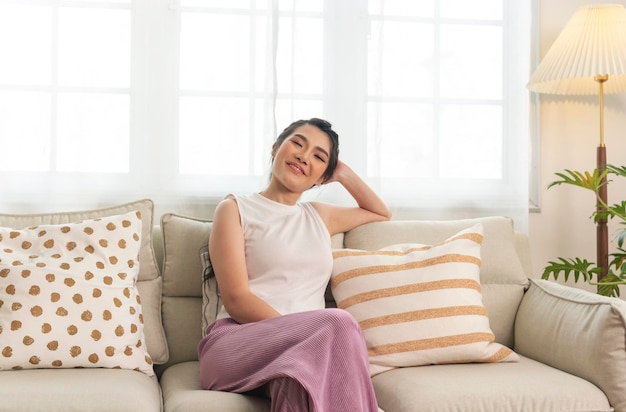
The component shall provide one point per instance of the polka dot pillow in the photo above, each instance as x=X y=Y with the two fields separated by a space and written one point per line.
x=68 y=296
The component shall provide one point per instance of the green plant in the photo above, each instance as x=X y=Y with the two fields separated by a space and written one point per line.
x=616 y=274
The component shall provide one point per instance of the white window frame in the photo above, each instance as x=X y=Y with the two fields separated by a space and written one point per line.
x=154 y=97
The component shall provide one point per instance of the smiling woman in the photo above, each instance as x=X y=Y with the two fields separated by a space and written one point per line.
x=310 y=350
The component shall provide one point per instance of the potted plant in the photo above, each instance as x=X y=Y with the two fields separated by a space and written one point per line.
x=582 y=268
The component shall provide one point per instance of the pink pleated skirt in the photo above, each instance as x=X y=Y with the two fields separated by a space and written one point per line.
x=309 y=361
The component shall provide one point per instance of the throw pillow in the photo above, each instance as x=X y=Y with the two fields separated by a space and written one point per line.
x=211 y=299
x=419 y=304
x=150 y=283
x=69 y=298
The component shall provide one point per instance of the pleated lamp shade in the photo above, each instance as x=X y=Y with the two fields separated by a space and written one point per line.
x=592 y=43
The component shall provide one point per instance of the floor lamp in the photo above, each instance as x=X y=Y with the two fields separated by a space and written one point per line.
x=588 y=57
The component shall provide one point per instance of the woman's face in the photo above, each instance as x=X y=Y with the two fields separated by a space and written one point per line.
x=302 y=158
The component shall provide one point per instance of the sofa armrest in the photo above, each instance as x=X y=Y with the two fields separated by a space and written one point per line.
x=575 y=331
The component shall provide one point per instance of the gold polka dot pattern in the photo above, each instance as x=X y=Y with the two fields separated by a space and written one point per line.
x=68 y=296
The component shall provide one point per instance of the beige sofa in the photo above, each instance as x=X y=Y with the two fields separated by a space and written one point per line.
x=572 y=344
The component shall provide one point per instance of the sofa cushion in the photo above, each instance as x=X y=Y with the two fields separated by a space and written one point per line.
x=526 y=385
x=182 y=392
x=149 y=284
x=419 y=304
x=78 y=390
x=502 y=275
x=578 y=332
x=70 y=296
x=183 y=237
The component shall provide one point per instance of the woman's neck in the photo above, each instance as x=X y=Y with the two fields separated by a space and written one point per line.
x=280 y=196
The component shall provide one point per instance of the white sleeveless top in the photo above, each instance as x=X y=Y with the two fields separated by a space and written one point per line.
x=288 y=253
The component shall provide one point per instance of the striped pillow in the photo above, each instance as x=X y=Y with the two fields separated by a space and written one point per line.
x=419 y=304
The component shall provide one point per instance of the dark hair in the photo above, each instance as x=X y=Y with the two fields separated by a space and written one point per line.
x=325 y=127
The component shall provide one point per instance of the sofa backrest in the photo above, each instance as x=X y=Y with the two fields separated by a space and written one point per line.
x=504 y=272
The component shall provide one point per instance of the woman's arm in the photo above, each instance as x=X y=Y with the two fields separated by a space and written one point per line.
x=370 y=207
x=226 y=248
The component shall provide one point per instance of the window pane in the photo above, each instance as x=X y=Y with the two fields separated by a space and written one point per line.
x=288 y=110
x=263 y=81
x=468 y=71
x=24 y=131
x=215 y=52
x=471 y=139
x=301 y=5
x=401 y=71
x=94 y=47
x=100 y=1
x=476 y=9
x=223 y=4
x=263 y=133
x=93 y=133
x=300 y=57
x=283 y=5
x=25 y=44
x=214 y=136
x=407 y=148
x=406 y=8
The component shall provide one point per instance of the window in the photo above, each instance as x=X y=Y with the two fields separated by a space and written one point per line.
x=181 y=100
x=66 y=88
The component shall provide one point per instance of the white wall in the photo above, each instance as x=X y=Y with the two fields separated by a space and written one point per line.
x=569 y=135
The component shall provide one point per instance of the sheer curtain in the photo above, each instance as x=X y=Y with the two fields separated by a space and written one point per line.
x=180 y=101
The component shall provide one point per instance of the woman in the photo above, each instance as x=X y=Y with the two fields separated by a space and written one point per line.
x=272 y=259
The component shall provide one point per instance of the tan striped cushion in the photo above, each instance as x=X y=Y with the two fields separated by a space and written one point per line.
x=419 y=304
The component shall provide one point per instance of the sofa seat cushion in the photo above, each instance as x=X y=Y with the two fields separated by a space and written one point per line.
x=182 y=393
x=67 y=390
x=495 y=387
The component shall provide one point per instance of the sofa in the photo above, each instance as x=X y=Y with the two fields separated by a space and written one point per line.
x=568 y=346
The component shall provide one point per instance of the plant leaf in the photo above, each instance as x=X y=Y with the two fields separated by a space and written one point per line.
x=566 y=266
x=617 y=210
x=619 y=262
x=619 y=171
x=609 y=285
x=585 y=180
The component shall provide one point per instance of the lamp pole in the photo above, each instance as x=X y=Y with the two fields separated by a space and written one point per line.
x=602 y=233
